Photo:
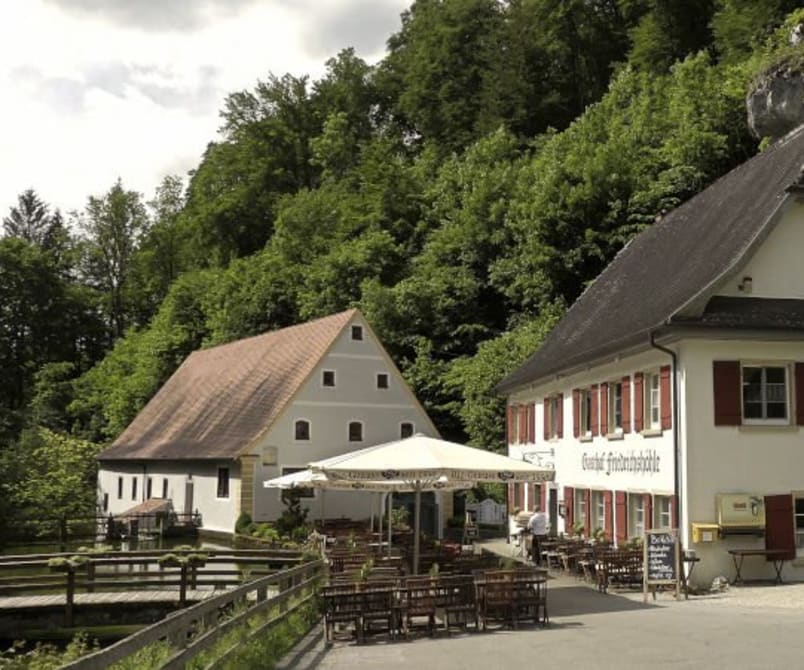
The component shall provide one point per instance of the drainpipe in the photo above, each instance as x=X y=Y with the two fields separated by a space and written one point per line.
x=676 y=430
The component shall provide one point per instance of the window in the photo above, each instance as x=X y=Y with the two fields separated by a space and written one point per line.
x=661 y=512
x=598 y=510
x=586 y=413
x=653 y=407
x=149 y=488
x=616 y=407
x=405 y=429
x=798 y=513
x=382 y=380
x=119 y=488
x=357 y=333
x=165 y=488
x=355 y=431
x=300 y=491
x=764 y=393
x=302 y=430
x=328 y=378
x=133 y=488
x=579 y=514
x=105 y=502
x=223 y=482
x=636 y=515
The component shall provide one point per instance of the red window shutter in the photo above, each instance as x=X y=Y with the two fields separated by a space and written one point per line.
x=509 y=424
x=560 y=415
x=620 y=516
x=648 y=504
x=726 y=383
x=799 y=393
x=531 y=423
x=664 y=395
x=608 y=525
x=569 y=501
x=604 y=409
x=587 y=522
x=626 y=401
x=779 y=524
x=593 y=411
x=673 y=511
x=639 y=397
x=576 y=412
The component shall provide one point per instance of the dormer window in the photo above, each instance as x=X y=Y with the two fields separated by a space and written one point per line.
x=302 y=430
x=357 y=333
x=328 y=378
x=382 y=380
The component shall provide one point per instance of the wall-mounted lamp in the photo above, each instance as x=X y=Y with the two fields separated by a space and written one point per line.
x=745 y=285
x=562 y=510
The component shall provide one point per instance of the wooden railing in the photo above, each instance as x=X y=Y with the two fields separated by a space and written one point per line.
x=296 y=587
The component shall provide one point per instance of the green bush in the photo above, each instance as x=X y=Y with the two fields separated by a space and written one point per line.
x=243 y=522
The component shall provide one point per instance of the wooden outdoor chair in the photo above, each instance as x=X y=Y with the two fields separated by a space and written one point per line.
x=342 y=604
x=498 y=597
x=418 y=602
x=457 y=596
x=378 y=606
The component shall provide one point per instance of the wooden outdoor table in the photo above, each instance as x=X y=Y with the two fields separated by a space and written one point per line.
x=778 y=556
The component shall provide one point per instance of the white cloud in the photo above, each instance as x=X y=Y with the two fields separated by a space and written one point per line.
x=94 y=91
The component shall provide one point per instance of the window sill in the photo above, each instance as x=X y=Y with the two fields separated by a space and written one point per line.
x=764 y=427
x=615 y=436
x=651 y=432
x=585 y=438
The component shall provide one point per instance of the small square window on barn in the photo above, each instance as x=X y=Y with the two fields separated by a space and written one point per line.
x=301 y=431
x=328 y=378
x=405 y=429
x=355 y=431
x=382 y=380
x=357 y=333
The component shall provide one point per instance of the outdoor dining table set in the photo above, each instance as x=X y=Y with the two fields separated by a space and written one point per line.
x=397 y=606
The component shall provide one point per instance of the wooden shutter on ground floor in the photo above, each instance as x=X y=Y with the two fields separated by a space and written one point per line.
x=626 y=404
x=664 y=396
x=604 y=409
x=560 y=414
x=569 y=504
x=608 y=525
x=621 y=516
x=593 y=410
x=546 y=418
x=576 y=412
x=726 y=384
x=780 y=525
x=799 y=393
x=639 y=397
x=648 y=511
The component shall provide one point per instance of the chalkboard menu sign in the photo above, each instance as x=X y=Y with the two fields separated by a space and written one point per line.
x=661 y=558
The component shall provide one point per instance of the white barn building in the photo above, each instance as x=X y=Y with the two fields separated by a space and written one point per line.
x=672 y=391
x=237 y=414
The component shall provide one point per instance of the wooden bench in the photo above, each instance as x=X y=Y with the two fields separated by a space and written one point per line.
x=620 y=567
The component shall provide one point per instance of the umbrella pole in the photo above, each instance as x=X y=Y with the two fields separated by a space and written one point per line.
x=417 y=527
x=390 y=507
x=380 y=498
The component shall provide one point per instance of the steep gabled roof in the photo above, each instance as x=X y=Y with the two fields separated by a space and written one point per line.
x=670 y=265
x=223 y=398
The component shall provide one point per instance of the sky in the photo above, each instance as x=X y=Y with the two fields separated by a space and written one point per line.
x=93 y=90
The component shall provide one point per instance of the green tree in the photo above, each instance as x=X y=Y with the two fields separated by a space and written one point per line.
x=741 y=26
x=112 y=225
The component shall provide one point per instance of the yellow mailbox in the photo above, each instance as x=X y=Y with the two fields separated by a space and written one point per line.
x=704 y=532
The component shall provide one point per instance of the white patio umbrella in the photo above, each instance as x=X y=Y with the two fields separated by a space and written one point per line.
x=427 y=463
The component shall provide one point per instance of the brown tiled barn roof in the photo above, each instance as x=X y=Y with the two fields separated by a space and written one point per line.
x=654 y=278
x=221 y=399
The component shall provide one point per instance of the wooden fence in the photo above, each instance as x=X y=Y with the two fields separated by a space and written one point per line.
x=296 y=587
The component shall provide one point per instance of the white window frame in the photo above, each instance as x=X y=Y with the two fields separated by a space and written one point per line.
x=598 y=517
x=412 y=428
x=349 y=430
x=636 y=510
x=309 y=430
x=652 y=404
x=579 y=507
x=387 y=381
x=614 y=386
x=323 y=379
x=227 y=484
x=764 y=365
x=662 y=511
x=798 y=518
x=551 y=419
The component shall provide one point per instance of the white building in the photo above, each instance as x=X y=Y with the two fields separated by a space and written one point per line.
x=234 y=415
x=677 y=378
